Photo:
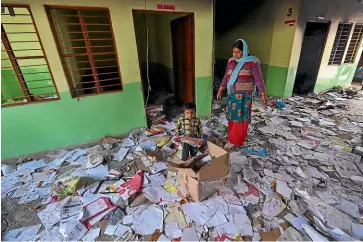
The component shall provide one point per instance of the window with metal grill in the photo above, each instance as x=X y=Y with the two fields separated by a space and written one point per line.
x=87 y=48
x=25 y=73
x=340 y=43
x=354 y=44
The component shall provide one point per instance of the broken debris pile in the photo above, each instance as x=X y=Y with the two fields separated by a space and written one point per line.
x=296 y=179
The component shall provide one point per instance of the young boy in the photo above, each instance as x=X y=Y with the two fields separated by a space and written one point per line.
x=189 y=126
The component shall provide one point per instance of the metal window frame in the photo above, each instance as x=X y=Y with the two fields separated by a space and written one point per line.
x=16 y=67
x=63 y=56
x=337 y=42
x=354 y=44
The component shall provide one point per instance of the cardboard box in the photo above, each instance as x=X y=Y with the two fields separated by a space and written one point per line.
x=202 y=183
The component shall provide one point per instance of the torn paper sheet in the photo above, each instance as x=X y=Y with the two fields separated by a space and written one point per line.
x=175 y=215
x=121 y=154
x=157 y=194
x=121 y=231
x=357 y=231
x=91 y=235
x=198 y=212
x=314 y=236
x=110 y=230
x=290 y=234
x=228 y=228
x=348 y=207
x=217 y=219
x=73 y=230
x=99 y=172
x=71 y=210
x=128 y=219
x=32 y=165
x=157 y=167
x=22 y=234
x=243 y=224
x=157 y=179
x=173 y=231
x=148 y=221
x=93 y=160
x=296 y=222
x=283 y=189
x=271 y=208
x=127 y=142
x=50 y=234
x=7 y=169
x=189 y=234
x=328 y=197
x=50 y=215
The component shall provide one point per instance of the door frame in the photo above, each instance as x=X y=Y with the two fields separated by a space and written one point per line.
x=193 y=54
x=323 y=49
x=193 y=44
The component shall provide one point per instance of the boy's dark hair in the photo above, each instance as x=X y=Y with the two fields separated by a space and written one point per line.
x=190 y=106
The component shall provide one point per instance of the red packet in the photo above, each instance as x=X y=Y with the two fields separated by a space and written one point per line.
x=89 y=223
x=131 y=187
x=223 y=237
x=95 y=208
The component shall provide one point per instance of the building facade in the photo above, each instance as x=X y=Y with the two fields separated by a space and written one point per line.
x=303 y=45
x=67 y=113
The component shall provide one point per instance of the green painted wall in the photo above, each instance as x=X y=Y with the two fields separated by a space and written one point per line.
x=276 y=81
x=341 y=75
x=203 y=94
x=48 y=125
x=10 y=89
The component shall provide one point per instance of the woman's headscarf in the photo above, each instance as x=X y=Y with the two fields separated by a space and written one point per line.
x=245 y=58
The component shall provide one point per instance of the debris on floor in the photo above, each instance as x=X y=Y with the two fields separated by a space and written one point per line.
x=298 y=177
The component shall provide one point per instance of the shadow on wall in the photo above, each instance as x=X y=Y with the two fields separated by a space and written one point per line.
x=220 y=65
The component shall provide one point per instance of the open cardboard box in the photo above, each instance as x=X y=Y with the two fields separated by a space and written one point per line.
x=203 y=182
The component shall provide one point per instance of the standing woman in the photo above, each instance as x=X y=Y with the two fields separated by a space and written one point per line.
x=243 y=73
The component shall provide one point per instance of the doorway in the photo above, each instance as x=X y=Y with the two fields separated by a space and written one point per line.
x=165 y=45
x=310 y=58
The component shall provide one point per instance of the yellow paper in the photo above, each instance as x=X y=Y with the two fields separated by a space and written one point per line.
x=169 y=187
x=175 y=215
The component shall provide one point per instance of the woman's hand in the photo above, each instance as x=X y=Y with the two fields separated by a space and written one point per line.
x=264 y=99
x=219 y=94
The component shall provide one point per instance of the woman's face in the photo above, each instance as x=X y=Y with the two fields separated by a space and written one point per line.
x=237 y=53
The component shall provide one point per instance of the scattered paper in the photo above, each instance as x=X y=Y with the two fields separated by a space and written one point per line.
x=32 y=165
x=243 y=224
x=128 y=219
x=50 y=215
x=198 y=212
x=91 y=235
x=157 y=179
x=189 y=234
x=157 y=167
x=173 y=231
x=217 y=219
x=110 y=230
x=121 y=154
x=127 y=142
x=283 y=189
x=148 y=221
x=50 y=234
x=22 y=234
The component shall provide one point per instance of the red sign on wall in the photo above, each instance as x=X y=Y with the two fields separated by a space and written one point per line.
x=165 y=7
x=290 y=22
